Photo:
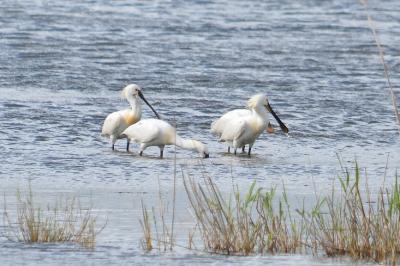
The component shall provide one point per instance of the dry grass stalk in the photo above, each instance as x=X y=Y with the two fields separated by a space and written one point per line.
x=382 y=59
x=191 y=234
x=66 y=221
x=173 y=194
x=162 y=236
x=147 y=241
x=354 y=225
x=244 y=225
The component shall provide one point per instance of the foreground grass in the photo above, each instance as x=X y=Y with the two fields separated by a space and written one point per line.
x=161 y=238
x=65 y=221
x=243 y=225
x=351 y=223
x=347 y=222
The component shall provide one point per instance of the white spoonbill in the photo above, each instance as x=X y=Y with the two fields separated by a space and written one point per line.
x=155 y=132
x=117 y=122
x=239 y=131
x=218 y=126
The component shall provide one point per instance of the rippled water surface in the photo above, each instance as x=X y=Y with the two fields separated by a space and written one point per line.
x=63 y=63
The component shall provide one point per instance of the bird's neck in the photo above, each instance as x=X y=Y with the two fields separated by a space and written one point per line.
x=260 y=112
x=261 y=116
x=186 y=144
x=134 y=103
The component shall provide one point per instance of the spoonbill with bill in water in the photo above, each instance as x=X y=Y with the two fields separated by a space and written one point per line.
x=155 y=132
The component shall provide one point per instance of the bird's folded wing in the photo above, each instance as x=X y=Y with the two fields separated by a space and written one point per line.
x=111 y=123
x=234 y=131
x=218 y=126
x=142 y=132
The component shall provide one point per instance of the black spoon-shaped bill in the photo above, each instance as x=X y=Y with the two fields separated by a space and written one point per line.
x=281 y=124
x=148 y=104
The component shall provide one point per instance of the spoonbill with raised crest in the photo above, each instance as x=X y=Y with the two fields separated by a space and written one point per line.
x=117 y=122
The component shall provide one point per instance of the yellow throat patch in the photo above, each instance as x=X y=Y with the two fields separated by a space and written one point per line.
x=130 y=118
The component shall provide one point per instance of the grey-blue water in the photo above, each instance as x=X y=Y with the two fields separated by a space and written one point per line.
x=63 y=63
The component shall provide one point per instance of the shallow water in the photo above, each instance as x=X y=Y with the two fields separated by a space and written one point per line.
x=62 y=65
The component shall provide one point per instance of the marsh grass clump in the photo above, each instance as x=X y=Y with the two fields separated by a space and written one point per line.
x=65 y=221
x=351 y=223
x=243 y=225
x=157 y=233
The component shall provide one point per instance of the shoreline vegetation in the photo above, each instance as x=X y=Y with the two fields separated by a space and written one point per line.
x=350 y=221
x=63 y=221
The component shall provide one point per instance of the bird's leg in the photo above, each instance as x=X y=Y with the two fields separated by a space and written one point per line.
x=142 y=147
x=229 y=149
x=235 y=151
x=112 y=140
x=161 y=152
x=127 y=144
x=243 y=149
x=249 y=151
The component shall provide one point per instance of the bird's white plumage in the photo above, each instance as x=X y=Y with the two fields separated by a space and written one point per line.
x=217 y=127
x=155 y=132
x=151 y=131
x=115 y=123
x=241 y=127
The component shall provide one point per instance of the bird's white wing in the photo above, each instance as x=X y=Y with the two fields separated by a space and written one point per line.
x=234 y=130
x=143 y=131
x=111 y=123
x=115 y=123
x=218 y=126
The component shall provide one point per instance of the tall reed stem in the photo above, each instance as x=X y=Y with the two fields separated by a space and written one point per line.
x=382 y=59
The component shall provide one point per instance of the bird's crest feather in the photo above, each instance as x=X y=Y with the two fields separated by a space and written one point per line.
x=254 y=100
x=123 y=93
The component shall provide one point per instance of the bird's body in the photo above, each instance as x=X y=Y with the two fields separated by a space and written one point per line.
x=218 y=126
x=155 y=132
x=242 y=127
x=115 y=123
x=245 y=130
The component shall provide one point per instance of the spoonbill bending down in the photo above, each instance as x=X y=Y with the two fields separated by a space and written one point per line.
x=117 y=122
x=155 y=132
x=217 y=127
x=238 y=131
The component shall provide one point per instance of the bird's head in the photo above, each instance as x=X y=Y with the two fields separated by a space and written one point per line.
x=261 y=101
x=257 y=101
x=134 y=91
x=201 y=148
